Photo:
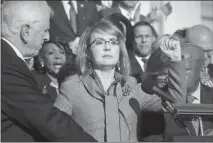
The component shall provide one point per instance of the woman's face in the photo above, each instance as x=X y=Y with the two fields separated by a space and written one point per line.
x=104 y=50
x=53 y=58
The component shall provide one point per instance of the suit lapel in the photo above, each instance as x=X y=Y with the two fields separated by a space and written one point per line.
x=92 y=87
x=136 y=71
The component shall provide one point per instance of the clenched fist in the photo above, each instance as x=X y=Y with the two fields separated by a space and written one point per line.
x=171 y=47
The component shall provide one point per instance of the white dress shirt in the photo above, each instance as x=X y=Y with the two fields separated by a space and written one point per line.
x=141 y=63
x=129 y=15
x=67 y=7
x=196 y=95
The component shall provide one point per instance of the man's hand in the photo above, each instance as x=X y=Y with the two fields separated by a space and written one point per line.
x=73 y=45
x=171 y=47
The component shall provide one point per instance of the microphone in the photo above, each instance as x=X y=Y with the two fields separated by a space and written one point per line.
x=149 y=87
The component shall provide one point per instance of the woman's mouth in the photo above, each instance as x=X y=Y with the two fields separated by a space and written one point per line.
x=107 y=56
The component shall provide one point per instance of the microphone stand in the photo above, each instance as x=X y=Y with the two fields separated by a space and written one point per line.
x=177 y=119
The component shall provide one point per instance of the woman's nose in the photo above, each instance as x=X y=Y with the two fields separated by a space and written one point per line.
x=107 y=46
x=57 y=56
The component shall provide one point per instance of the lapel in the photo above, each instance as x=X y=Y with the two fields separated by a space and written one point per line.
x=206 y=94
x=52 y=92
x=136 y=70
x=48 y=89
x=92 y=87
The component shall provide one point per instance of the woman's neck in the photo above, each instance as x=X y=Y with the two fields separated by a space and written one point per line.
x=106 y=77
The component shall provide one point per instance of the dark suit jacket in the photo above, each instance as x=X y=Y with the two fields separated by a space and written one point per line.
x=26 y=114
x=173 y=129
x=206 y=96
x=136 y=70
x=59 y=24
x=43 y=82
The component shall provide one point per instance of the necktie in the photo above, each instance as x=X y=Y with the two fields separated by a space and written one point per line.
x=73 y=17
x=145 y=63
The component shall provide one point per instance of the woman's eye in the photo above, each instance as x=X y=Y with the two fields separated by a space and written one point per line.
x=62 y=52
x=50 y=52
x=99 y=42
x=114 y=42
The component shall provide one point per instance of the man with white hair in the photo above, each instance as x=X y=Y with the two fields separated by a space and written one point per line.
x=26 y=114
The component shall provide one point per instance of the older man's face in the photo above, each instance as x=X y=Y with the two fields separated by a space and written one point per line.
x=39 y=33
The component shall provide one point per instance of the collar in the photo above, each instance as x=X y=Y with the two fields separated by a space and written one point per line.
x=196 y=94
x=140 y=58
x=18 y=53
x=129 y=15
x=67 y=6
x=94 y=86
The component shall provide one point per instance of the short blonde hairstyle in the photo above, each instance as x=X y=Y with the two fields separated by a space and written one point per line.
x=103 y=26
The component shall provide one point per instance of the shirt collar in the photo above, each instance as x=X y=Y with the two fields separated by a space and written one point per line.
x=129 y=15
x=65 y=4
x=18 y=53
x=196 y=94
x=139 y=58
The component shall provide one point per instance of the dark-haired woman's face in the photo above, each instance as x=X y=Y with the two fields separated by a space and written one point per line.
x=53 y=58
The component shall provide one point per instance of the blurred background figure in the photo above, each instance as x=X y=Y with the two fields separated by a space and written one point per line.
x=144 y=36
x=131 y=10
x=202 y=36
x=70 y=19
x=51 y=58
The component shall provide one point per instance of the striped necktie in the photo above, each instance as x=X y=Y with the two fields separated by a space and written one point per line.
x=73 y=17
x=145 y=63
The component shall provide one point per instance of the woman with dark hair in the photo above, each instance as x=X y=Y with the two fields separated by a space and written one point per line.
x=47 y=65
x=101 y=97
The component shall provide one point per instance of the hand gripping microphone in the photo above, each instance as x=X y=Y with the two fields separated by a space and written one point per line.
x=148 y=86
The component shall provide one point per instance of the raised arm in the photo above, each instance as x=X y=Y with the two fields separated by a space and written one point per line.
x=176 y=69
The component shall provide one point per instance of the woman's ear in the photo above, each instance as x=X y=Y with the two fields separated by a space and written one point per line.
x=25 y=33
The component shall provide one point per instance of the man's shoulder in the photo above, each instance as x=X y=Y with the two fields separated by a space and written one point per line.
x=108 y=11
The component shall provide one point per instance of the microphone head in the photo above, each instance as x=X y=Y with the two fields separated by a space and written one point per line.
x=147 y=86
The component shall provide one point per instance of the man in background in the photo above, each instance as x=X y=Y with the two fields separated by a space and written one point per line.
x=70 y=19
x=144 y=36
